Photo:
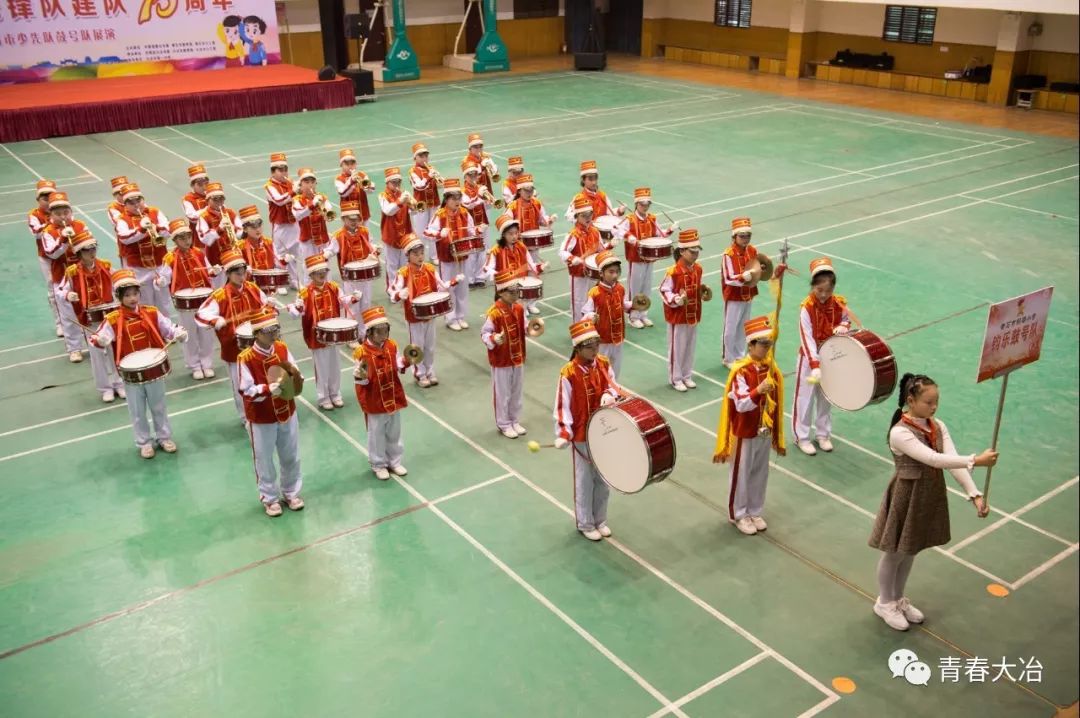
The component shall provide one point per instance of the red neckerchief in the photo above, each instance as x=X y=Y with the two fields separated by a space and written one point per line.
x=928 y=434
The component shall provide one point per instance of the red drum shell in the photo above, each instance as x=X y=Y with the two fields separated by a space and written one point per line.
x=532 y=288
x=431 y=305
x=465 y=246
x=538 y=238
x=191 y=299
x=590 y=268
x=270 y=278
x=651 y=252
x=656 y=438
x=363 y=271
x=145 y=373
x=96 y=314
x=245 y=336
x=337 y=331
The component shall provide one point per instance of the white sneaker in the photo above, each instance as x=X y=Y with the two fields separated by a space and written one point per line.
x=433 y=379
x=208 y=373
x=534 y=310
x=690 y=384
x=807 y=448
x=912 y=614
x=604 y=530
x=168 y=446
x=75 y=357
x=108 y=396
x=637 y=324
x=678 y=386
x=746 y=526
x=282 y=290
x=759 y=523
x=326 y=406
x=59 y=330
x=382 y=474
x=824 y=443
x=464 y=324
x=891 y=614
x=520 y=430
x=337 y=402
x=196 y=374
x=147 y=451
x=729 y=364
x=121 y=393
x=423 y=382
x=399 y=470
x=509 y=432
x=646 y=321
x=592 y=535
x=454 y=326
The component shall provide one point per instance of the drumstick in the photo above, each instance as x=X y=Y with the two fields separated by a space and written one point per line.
x=535 y=446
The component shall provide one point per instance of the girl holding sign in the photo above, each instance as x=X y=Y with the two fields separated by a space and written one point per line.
x=914 y=513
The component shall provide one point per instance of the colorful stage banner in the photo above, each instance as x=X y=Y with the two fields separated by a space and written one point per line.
x=1014 y=333
x=76 y=39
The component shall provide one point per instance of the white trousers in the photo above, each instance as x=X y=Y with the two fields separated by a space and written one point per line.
x=385 y=448
x=735 y=315
x=535 y=254
x=810 y=405
x=103 y=367
x=579 y=290
x=459 y=293
x=422 y=334
x=327 y=363
x=749 y=476
x=365 y=299
x=507 y=386
x=199 y=348
x=234 y=385
x=395 y=260
x=639 y=281
x=149 y=295
x=614 y=353
x=420 y=222
x=45 y=264
x=590 y=492
x=682 y=340
x=284 y=438
x=474 y=264
x=286 y=237
x=74 y=339
x=148 y=397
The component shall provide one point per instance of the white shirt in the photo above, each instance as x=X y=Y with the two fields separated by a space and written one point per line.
x=902 y=440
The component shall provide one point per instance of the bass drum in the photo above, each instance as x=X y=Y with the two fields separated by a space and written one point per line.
x=857 y=369
x=631 y=445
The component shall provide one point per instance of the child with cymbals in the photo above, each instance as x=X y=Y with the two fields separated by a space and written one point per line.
x=607 y=306
x=186 y=267
x=449 y=223
x=272 y=422
x=751 y=423
x=636 y=226
x=740 y=288
x=380 y=393
x=510 y=254
x=504 y=336
x=683 y=294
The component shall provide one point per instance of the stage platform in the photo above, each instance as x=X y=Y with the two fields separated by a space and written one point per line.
x=79 y=107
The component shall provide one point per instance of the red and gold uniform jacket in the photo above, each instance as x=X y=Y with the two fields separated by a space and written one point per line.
x=263 y=408
x=580 y=388
x=382 y=393
x=94 y=286
x=508 y=320
x=737 y=261
x=677 y=279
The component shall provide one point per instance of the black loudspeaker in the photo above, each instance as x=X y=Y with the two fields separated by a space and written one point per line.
x=327 y=73
x=363 y=83
x=355 y=27
x=590 y=60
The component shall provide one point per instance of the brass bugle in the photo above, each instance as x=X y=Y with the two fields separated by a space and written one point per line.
x=417 y=205
x=496 y=202
x=413 y=354
x=366 y=183
x=436 y=175
x=230 y=230
x=535 y=327
x=706 y=292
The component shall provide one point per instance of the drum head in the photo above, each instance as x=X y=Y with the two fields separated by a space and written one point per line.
x=244 y=330
x=529 y=282
x=200 y=292
x=431 y=298
x=618 y=450
x=655 y=242
x=142 y=359
x=590 y=262
x=536 y=233
x=337 y=323
x=847 y=373
x=606 y=223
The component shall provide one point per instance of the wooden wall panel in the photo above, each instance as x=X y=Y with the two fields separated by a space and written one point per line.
x=1057 y=66
x=707 y=36
x=911 y=59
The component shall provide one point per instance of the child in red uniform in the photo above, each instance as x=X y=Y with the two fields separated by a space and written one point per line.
x=352 y=243
x=751 y=423
x=606 y=307
x=510 y=253
x=284 y=229
x=131 y=328
x=425 y=188
x=320 y=300
x=37 y=219
x=585 y=384
x=414 y=280
x=395 y=224
x=352 y=185
x=531 y=215
x=590 y=190
x=582 y=241
x=312 y=211
x=681 y=291
x=451 y=222
x=219 y=228
x=504 y=336
x=258 y=250
x=56 y=238
x=636 y=226
x=143 y=232
x=380 y=393
x=476 y=198
x=186 y=267
x=195 y=200
x=515 y=168
x=740 y=288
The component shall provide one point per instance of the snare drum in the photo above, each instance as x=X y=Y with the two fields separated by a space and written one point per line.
x=144 y=366
x=631 y=445
x=431 y=305
x=245 y=337
x=591 y=270
x=189 y=300
x=362 y=271
x=606 y=225
x=531 y=288
x=96 y=314
x=267 y=279
x=653 y=248
x=464 y=246
x=538 y=238
x=857 y=369
x=337 y=331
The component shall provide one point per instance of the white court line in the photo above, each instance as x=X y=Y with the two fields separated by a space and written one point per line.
x=28 y=346
x=25 y=185
x=470 y=489
x=409 y=129
x=32 y=361
x=207 y=144
x=1020 y=511
x=28 y=186
x=895 y=125
x=72 y=160
x=1053 y=215
x=162 y=147
x=702 y=405
x=839 y=169
x=1044 y=567
x=827 y=108
x=140 y=166
x=532 y=591
x=722 y=678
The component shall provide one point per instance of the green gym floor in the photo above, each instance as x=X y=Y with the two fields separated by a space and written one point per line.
x=159 y=588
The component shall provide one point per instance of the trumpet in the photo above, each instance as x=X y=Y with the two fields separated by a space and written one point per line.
x=362 y=179
x=496 y=202
x=413 y=354
x=230 y=230
x=485 y=161
x=436 y=175
x=535 y=327
x=706 y=292
x=317 y=208
x=155 y=237
x=417 y=205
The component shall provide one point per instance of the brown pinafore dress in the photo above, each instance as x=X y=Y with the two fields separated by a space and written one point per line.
x=914 y=513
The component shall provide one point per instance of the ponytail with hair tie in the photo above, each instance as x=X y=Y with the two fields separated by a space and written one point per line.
x=911 y=385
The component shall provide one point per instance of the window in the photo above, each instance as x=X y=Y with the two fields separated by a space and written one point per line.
x=733 y=13
x=904 y=23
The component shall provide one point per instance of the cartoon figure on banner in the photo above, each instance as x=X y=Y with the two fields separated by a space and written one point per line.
x=252 y=30
x=229 y=32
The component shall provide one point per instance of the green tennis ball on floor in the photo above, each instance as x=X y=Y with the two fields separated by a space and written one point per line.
x=534 y=446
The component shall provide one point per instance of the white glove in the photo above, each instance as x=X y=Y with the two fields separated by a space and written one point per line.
x=73 y=297
x=275 y=388
x=680 y=299
x=551 y=218
x=576 y=262
x=481 y=228
x=68 y=232
x=631 y=239
x=561 y=443
x=159 y=282
x=220 y=323
x=840 y=330
x=674 y=227
x=297 y=310
x=406 y=196
x=356 y=295
x=815 y=375
x=459 y=278
x=180 y=335
x=145 y=223
x=606 y=400
x=498 y=338
x=404 y=293
x=444 y=232
x=215 y=270
x=328 y=253
x=101 y=341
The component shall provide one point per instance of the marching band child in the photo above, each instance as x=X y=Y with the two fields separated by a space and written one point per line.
x=88 y=283
x=56 y=238
x=380 y=393
x=682 y=293
x=416 y=279
x=319 y=300
x=395 y=224
x=821 y=315
x=585 y=384
x=219 y=228
x=425 y=188
x=581 y=241
x=272 y=421
x=606 y=307
x=115 y=209
x=510 y=253
x=352 y=243
x=143 y=232
x=283 y=227
x=37 y=219
x=195 y=200
x=258 y=250
x=640 y=224
x=590 y=190
x=531 y=215
x=131 y=328
x=312 y=211
x=186 y=267
x=914 y=513
x=515 y=167
x=478 y=158
x=503 y=334
x=226 y=309
x=476 y=198
x=452 y=222
x=353 y=185
x=751 y=422
x=740 y=288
